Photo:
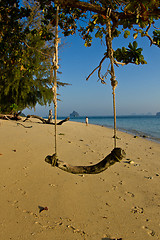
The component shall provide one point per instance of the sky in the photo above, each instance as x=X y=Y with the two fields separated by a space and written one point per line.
x=138 y=90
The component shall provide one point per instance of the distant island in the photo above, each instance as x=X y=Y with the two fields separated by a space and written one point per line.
x=74 y=114
x=158 y=114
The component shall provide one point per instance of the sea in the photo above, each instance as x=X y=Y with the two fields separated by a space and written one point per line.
x=143 y=126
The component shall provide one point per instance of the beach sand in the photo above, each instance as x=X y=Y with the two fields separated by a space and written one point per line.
x=122 y=202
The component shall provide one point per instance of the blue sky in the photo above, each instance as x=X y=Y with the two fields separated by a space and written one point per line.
x=138 y=89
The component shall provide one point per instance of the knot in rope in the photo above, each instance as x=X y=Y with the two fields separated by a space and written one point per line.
x=52 y=159
x=118 y=154
x=114 y=82
x=55 y=67
x=56 y=40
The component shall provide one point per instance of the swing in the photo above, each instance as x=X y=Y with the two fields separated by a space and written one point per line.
x=117 y=154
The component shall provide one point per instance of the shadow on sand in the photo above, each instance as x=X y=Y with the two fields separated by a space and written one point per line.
x=111 y=238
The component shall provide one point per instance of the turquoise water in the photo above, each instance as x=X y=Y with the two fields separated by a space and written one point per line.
x=148 y=126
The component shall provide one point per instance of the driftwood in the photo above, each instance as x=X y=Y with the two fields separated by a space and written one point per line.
x=23 y=125
x=45 y=121
x=35 y=116
x=65 y=120
x=115 y=156
x=10 y=116
x=16 y=117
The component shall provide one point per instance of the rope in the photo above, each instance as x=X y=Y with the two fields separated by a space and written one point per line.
x=114 y=112
x=54 y=88
x=112 y=72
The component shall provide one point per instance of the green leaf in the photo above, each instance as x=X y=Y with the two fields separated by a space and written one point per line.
x=98 y=34
x=135 y=44
x=126 y=34
x=130 y=55
x=156 y=37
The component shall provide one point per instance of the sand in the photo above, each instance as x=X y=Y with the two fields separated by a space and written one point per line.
x=41 y=202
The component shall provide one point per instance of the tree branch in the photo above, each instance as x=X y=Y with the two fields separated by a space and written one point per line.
x=91 y=73
x=151 y=40
x=101 y=10
x=119 y=63
x=46 y=121
x=82 y=5
x=145 y=34
x=99 y=67
x=45 y=54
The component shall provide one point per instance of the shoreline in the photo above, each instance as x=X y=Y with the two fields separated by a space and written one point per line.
x=133 y=132
x=136 y=135
x=44 y=202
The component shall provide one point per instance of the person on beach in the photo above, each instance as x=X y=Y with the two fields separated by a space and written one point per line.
x=86 y=121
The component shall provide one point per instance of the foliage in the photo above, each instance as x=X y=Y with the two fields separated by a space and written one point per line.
x=14 y=108
x=11 y=49
x=26 y=57
x=130 y=55
x=90 y=17
x=26 y=35
x=156 y=37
